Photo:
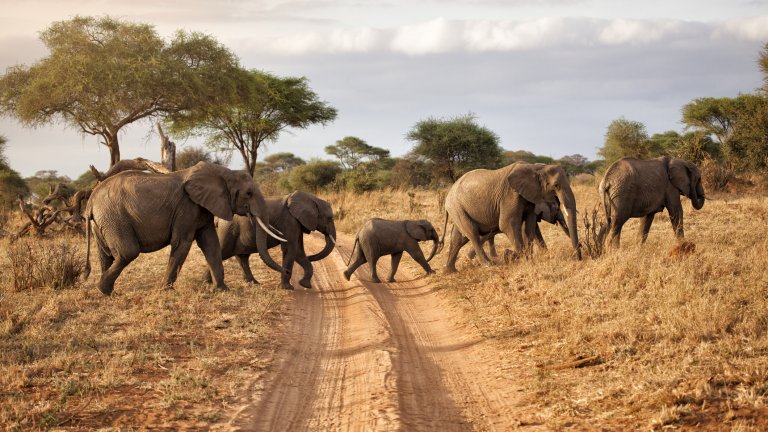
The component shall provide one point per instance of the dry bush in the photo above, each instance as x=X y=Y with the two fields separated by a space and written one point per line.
x=40 y=263
x=584 y=179
x=715 y=175
x=660 y=328
x=593 y=232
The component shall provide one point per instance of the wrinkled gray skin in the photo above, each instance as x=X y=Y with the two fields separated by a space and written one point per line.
x=556 y=217
x=634 y=188
x=293 y=215
x=487 y=201
x=136 y=212
x=378 y=237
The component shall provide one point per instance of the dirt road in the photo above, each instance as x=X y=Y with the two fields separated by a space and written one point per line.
x=358 y=355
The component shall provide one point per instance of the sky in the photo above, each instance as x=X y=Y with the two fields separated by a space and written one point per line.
x=547 y=76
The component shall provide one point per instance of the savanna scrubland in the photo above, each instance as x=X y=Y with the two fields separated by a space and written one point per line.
x=642 y=337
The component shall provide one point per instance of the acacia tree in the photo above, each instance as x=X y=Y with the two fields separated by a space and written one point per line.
x=628 y=138
x=11 y=183
x=455 y=145
x=260 y=106
x=103 y=74
x=352 y=151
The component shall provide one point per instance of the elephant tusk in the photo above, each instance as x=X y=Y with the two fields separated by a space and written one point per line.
x=565 y=210
x=264 y=227
x=333 y=240
x=272 y=227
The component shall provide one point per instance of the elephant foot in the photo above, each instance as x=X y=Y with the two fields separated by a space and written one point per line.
x=449 y=270
x=306 y=283
x=221 y=288
x=106 y=290
x=252 y=281
x=286 y=286
x=375 y=280
x=391 y=279
x=347 y=275
x=430 y=272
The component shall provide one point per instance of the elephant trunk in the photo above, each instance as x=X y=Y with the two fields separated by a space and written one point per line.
x=569 y=208
x=435 y=242
x=697 y=196
x=261 y=241
x=330 y=243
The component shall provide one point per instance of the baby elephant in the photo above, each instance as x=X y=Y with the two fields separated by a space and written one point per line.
x=379 y=237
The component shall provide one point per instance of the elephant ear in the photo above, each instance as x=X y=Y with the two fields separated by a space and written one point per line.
x=207 y=188
x=416 y=230
x=681 y=176
x=526 y=181
x=302 y=206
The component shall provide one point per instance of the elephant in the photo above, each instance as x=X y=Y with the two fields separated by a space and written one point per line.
x=555 y=217
x=378 y=237
x=634 y=188
x=137 y=212
x=293 y=215
x=485 y=201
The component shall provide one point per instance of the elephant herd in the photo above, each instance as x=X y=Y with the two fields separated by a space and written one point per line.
x=224 y=212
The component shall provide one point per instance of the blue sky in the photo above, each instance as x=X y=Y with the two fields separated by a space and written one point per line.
x=546 y=75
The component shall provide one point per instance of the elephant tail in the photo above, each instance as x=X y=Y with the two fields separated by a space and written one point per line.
x=351 y=253
x=605 y=194
x=445 y=229
x=87 y=269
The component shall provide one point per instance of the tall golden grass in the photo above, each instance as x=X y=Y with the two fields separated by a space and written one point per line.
x=637 y=338
x=74 y=359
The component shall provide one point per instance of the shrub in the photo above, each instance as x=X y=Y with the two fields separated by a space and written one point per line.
x=314 y=175
x=36 y=264
x=715 y=175
x=595 y=230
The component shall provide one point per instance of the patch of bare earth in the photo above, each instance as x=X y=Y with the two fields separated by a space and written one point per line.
x=364 y=356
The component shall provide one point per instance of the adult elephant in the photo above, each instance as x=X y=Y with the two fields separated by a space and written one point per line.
x=137 y=212
x=634 y=188
x=484 y=201
x=293 y=215
x=532 y=233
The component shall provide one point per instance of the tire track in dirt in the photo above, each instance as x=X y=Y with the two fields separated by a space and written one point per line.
x=364 y=356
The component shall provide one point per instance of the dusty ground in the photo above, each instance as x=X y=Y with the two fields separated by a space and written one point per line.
x=394 y=356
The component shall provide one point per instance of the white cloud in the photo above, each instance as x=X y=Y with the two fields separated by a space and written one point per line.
x=624 y=31
x=441 y=35
x=749 y=28
x=436 y=36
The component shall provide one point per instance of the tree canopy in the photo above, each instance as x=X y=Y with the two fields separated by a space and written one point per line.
x=11 y=183
x=352 y=151
x=455 y=145
x=260 y=106
x=103 y=73
x=627 y=138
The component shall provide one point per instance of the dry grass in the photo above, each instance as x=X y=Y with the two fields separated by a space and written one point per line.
x=74 y=359
x=673 y=335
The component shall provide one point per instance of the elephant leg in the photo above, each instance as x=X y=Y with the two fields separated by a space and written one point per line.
x=105 y=259
x=539 y=238
x=492 y=245
x=646 y=227
x=617 y=224
x=306 y=265
x=470 y=231
x=372 y=260
x=208 y=242
x=675 y=210
x=124 y=257
x=355 y=261
x=179 y=252
x=289 y=257
x=395 y=262
x=416 y=253
x=245 y=266
x=514 y=233
x=457 y=242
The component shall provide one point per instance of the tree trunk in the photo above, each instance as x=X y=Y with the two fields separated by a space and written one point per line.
x=167 y=150
x=114 y=148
